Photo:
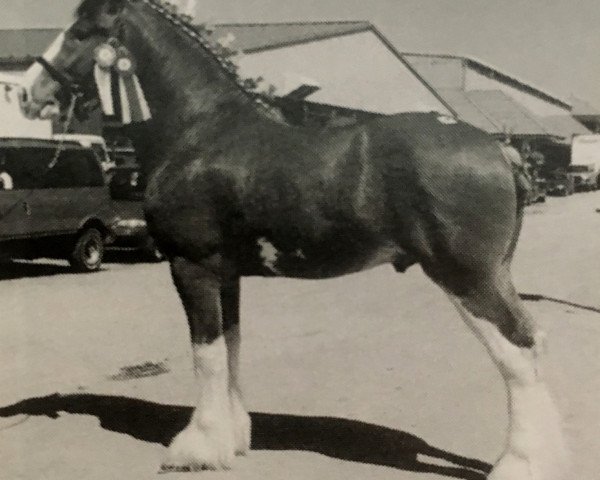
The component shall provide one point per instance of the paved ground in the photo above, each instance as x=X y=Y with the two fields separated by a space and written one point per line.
x=332 y=396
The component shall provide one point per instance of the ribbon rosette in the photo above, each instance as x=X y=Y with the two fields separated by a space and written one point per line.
x=113 y=57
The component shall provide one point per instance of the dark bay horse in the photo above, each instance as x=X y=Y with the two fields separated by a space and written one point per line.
x=234 y=192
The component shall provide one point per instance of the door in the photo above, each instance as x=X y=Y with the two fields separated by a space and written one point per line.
x=19 y=169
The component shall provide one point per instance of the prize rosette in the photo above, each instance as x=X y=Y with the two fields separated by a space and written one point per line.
x=124 y=63
x=111 y=57
x=105 y=56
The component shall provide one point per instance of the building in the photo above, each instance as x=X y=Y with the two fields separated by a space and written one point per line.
x=494 y=100
x=12 y=121
x=586 y=113
x=324 y=70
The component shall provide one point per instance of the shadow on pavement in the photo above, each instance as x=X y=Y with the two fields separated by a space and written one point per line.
x=339 y=438
x=18 y=270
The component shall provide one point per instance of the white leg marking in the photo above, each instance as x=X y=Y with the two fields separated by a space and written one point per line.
x=269 y=254
x=207 y=443
x=241 y=419
x=535 y=449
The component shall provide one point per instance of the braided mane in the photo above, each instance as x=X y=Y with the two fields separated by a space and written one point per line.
x=199 y=34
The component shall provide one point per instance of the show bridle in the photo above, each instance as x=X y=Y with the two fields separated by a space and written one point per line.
x=63 y=79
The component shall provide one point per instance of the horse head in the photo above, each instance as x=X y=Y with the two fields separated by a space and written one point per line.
x=65 y=71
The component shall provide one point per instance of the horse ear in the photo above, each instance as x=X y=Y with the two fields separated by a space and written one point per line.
x=109 y=13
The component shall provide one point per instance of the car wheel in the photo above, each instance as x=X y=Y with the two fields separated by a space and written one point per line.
x=88 y=251
x=151 y=252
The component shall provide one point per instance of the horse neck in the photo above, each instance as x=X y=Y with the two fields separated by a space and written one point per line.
x=191 y=96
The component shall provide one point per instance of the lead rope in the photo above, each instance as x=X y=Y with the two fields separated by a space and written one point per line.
x=66 y=127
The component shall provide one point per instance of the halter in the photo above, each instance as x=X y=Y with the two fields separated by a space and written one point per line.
x=62 y=78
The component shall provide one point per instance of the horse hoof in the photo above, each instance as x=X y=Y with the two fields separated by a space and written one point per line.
x=196 y=449
x=515 y=467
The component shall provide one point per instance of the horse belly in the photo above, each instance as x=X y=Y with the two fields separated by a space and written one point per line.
x=322 y=260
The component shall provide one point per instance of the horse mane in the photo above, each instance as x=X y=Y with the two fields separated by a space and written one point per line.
x=91 y=8
x=200 y=34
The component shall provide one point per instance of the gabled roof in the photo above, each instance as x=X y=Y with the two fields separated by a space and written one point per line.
x=26 y=43
x=497 y=113
x=493 y=111
x=255 y=37
x=564 y=126
x=493 y=72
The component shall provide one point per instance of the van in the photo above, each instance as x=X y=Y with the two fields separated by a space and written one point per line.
x=585 y=162
x=53 y=205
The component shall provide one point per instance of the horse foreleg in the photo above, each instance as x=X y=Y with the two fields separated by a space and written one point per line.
x=230 y=301
x=208 y=441
x=534 y=448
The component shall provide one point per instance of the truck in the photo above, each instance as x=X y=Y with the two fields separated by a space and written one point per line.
x=585 y=162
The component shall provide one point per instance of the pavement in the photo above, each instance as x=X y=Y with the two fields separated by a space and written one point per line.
x=367 y=376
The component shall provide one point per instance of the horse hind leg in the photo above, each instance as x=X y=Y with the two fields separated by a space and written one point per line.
x=535 y=449
x=208 y=442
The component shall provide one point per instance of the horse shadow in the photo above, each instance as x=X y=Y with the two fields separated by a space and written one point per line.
x=338 y=438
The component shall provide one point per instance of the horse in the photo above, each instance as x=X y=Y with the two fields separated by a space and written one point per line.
x=234 y=191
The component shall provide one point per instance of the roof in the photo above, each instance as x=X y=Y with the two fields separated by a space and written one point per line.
x=25 y=43
x=493 y=111
x=564 y=126
x=493 y=72
x=582 y=108
x=254 y=37
x=497 y=113
x=247 y=37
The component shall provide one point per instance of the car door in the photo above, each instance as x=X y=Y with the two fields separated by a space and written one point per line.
x=17 y=181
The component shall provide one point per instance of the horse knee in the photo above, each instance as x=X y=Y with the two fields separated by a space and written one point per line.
x=198 y=287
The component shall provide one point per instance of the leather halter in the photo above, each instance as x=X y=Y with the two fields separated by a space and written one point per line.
x=67 y=83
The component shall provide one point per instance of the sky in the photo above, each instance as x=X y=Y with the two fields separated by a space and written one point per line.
x=553 y=44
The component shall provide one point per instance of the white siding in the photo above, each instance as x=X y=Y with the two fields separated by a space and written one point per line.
x=476 y=81
x=354 y=71
x=12 y=121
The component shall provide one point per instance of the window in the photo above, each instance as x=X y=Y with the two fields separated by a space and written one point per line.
x=31 y=168
x=75 y=169
x=25 y=166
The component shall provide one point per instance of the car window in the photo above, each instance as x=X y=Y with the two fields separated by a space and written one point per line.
x=75 y=169
x=32 y=168
x=25 y=166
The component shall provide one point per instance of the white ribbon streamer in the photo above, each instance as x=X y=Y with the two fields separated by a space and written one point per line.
x=103 y=79
x=142 y=99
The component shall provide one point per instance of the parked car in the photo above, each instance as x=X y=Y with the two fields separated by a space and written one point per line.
x=585 y=177
x=127 y=191
x=57 y=207
x=560 y=184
